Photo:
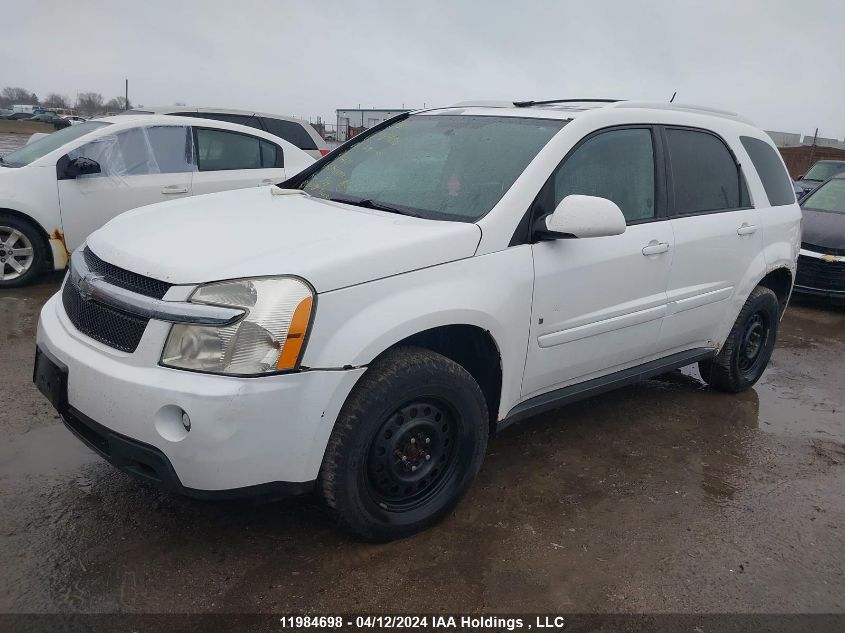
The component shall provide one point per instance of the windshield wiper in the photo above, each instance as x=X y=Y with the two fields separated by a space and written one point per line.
x=368 y=203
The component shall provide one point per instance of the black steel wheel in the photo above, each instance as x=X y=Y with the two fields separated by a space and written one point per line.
x=407 y=444
x=412 y=454
x=748 y=348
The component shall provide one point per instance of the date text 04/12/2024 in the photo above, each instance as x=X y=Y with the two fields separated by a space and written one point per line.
x=424 y=621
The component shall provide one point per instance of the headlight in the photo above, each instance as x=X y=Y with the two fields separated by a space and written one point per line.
x=269 y=338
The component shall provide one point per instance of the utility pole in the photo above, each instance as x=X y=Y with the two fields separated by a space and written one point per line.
x=126 y=95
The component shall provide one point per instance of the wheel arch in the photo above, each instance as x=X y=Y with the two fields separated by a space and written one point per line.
x=779 y=281
x=45 y=237
x=473 y=348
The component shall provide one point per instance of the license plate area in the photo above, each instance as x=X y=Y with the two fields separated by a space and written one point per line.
x=50 y=376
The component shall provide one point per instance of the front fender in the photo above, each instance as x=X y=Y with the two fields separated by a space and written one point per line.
x=354 y=325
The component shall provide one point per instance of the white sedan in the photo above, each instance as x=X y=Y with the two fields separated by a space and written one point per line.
x=57 y=189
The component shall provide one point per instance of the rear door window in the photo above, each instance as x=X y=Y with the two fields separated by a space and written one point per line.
x=705 y=177
x=220 y=150
x=769 y=166
x=291 y=131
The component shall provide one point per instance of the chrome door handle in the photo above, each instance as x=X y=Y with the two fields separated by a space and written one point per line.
x=746 y=229
x=171 y=189
x=655 y=248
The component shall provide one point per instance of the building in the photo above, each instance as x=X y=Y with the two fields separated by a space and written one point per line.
x=352 y=121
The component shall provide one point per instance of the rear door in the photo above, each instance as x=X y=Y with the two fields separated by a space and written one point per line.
x=717 y=237
x=599 y=302
x=139 y=166
x=233 y=160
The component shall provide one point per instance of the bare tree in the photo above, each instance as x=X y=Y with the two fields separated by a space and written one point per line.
x=11 y=95
x=55 y=100
x=118 y=103
x=90 y=103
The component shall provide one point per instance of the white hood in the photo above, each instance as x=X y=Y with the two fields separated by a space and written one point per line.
x=250 y=233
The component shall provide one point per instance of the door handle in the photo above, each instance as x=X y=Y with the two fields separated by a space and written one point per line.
x=265 y=181
x=655 y=248
x=171 y=189
x=746 y=229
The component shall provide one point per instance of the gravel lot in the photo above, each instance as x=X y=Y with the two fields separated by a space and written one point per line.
x=663 y=497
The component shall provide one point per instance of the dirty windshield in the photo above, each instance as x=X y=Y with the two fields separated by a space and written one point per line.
x=444 y=167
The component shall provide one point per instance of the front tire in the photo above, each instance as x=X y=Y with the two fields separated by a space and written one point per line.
x=23 y=253
x=749 y=346
x=407 y=444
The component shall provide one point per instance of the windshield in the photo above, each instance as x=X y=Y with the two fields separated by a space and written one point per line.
x=443 y=167
x=43 y=146
x=824 y=170
x=829 y=197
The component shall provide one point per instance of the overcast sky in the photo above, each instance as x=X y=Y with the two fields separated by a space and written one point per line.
x=778 y=62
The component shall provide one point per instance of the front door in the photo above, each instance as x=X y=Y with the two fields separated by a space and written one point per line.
x=138 y=166
x=599 y=302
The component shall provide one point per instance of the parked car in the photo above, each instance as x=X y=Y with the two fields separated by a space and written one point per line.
x=58 y=122
x=818 y=173
x=4 y=112
x=74 y=120
x=301 y=133
x=821 y=264
x=363 y=329
x=57 y=189
x=18 y=116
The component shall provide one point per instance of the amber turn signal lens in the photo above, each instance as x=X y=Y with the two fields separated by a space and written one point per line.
x=296 y=335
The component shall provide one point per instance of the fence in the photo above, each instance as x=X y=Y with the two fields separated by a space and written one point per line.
x=800 y=158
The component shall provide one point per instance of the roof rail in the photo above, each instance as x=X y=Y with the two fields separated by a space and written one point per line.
x=683 y=107
x=482 y=104
x=528 y=104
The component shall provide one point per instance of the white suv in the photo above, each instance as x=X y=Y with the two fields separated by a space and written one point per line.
x=365 y=328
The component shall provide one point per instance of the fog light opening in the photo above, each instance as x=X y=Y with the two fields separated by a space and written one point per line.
x=186 y=421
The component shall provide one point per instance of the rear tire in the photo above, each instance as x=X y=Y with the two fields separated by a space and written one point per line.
x=406 y=446
x=749 y=346
x=23 y=253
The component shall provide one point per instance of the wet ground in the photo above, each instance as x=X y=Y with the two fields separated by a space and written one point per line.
x=663 y=497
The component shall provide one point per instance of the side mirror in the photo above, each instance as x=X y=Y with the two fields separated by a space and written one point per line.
x=581 y=216
x=79 y=167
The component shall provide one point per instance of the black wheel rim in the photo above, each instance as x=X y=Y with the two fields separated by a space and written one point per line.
x=755 y=338
x=412 y=456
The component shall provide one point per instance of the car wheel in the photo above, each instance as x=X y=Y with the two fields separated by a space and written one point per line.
x=407 y=444
x=749 y=346
x=23 y=253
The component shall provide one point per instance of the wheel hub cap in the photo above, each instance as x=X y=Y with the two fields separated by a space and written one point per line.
x=16 y=254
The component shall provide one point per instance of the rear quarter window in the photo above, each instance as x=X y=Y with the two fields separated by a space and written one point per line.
x=770 y=168
x=291 y=131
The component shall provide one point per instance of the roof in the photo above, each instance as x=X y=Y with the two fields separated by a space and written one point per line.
x=175 y=109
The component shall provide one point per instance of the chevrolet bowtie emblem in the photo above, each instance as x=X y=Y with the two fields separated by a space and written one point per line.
x=85 y=284
x=829 y=258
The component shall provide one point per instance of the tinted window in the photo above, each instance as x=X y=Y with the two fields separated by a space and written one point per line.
x=271 y=155
x=291 y=131
x=617 y=165
x=449 y=167
x=829 y=197
x=770 y=168
x=221 y=150
x=704 y=174
x=240 y=119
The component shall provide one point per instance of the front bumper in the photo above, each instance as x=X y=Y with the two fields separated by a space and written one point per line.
x=269 y=432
